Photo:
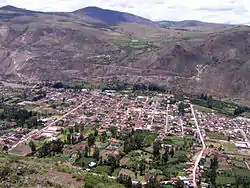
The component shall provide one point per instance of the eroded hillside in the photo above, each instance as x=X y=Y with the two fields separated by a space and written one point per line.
x=38 y=46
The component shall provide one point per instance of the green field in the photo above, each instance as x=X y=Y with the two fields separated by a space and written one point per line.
x=84 y=161
x=222 y=180
x=174 y=140
x=217 y=136
x=229 y=147
x=241 y=172
x=101 y=170
x=218 y=106
x=15 y=150
x=203 y=109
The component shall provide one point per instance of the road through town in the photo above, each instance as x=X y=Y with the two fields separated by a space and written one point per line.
x=166 y=124
x=203 y=147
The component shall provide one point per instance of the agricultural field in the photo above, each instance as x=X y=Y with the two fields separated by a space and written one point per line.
x=217 y=136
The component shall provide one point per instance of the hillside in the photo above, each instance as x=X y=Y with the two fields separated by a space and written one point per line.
x=111 y=17
x=96 y=45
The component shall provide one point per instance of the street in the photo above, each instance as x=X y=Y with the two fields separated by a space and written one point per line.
x=203 y=147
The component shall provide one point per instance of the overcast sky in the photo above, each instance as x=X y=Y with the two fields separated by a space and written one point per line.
x=220 y=11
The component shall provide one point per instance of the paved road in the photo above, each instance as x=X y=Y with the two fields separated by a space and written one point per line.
x=54 y=122
x=247 y=165
x=182 y=128
x=166 y=125
x=203 y=147
x=154 y=112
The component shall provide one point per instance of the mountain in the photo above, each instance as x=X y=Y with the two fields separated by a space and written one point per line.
x=191 y=23
x=70 y=46
x=13 y=9
x=111 y=17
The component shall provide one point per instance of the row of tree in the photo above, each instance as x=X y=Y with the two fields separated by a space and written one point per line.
x=127 y=182
x=207 y=98
x=240 y=110
x=21 y=116
x=150 y=87
x=50 y=148
x=137 y=140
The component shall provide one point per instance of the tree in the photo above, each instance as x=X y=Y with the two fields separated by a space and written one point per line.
x=153 y=183
x=69 y=138
x=180 y=184
x=127 y=146
x=182 y=158
x=103 y=136
x=95 y=132
x=165 y=156
x=156 y=148
x=86 y=151
x=76 y=128
x=181 y=108
x=82 y=128
x=138 y=185
x=96 y=153
x=239 y=110
x=129 y=182
x=214 y=166
x=113 y=131
x=50 y=148
x=140 y=87
x=91 y=140
x=81 y=137
x=172 y=152
x=210 y=102
x=213 y=176
x=71 y=130
x=58 y=85
x=203 y=97
x=142 y=167
x=32 y=146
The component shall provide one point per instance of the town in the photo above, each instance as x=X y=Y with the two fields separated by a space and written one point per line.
x=143 y=137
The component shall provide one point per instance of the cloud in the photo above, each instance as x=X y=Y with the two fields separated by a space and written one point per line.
x=219 y=11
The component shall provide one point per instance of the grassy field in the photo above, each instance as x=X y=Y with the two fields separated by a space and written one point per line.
x=239 y=164
x=215 y=144
x=84 y=161
x=241 y=172
x=15 y=150
x=246 y=114
x=174 y=140
x=217 y=136
x=229 y=147
x=101 y=170
x=220 y=107
x=203 y=109
x=222 y=180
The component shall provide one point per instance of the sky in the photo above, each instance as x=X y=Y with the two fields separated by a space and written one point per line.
x=218 y=11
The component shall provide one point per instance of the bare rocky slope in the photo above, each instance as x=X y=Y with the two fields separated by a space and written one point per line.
x=37 y=46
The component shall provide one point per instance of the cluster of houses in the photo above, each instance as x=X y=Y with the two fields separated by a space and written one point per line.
x=127 y=112
x=236 y=129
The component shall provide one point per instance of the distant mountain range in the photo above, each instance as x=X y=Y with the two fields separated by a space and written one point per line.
x=102 y=46
x=111 y=17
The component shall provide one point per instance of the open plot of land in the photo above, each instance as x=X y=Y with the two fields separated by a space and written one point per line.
x=173 y=140
x=21 y=150
x=222 y=180
x=60 y=178
x=217 y=136
x=245 y=152
x=229 y=147
x=203 y=109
